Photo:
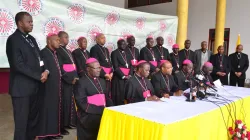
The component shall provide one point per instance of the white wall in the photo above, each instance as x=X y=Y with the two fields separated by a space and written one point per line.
x=116 y=3
x=202 y=17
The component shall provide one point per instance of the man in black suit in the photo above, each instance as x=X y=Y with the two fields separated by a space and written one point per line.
x=161 y=51
x=186 y=53
x=25 y=76
x=239 y=65
x=221 y=66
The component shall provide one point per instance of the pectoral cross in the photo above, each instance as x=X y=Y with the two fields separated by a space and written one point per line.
x=107 y=59
x=153 y=58
x=134 y=61
x=162 y=57
x=126 y=65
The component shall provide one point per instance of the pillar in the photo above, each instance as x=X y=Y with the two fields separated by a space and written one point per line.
x=182 y=13
x=220 y=24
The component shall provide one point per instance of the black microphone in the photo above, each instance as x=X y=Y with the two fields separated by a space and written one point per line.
x=203 y=82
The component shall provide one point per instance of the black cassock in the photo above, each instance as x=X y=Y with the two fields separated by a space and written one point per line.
x=69 y=111
x=50 y=101
x=239 y=63
x=102 y=55
x=175 y=60
x=120 y=61
x=186 y=54
x=89 y=115
x=80 y=56
x=221 y=64
x=183 y=80
x=162 y=53
x=150 y=54
x=136 y=89
x=163 y=84
x=133 y=55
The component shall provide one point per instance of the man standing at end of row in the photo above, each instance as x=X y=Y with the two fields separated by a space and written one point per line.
x=239 y=65
x=26 y=75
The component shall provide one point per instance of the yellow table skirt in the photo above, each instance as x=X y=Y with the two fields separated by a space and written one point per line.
x=206 y=126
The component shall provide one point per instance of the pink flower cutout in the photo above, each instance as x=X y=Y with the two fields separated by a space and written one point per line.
x=140 y=23
x=72 y=45
x=112 y=18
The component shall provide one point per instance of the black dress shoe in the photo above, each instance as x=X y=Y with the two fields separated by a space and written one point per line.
x=64 y=132
x=57 y=137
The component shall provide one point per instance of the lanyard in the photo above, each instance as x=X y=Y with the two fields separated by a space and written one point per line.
x=152 y=53
x=33 y=46
x=83 y=54
x=99 y=91
x=57 y=63
x=125 y=59
x=166 y=82
x=66 y=51
x=144 y=87
x=161 y=52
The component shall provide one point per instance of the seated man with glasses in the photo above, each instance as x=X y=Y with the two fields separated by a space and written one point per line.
x=91 y=98
x=163 y=82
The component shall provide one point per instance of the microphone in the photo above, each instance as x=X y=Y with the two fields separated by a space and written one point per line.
x=201 y=79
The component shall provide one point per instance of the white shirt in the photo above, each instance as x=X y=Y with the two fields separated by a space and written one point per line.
x=204 y=58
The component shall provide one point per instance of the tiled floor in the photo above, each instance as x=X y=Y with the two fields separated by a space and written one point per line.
x=6 y=120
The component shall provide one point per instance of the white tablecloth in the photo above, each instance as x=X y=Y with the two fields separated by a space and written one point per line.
x=176 y=108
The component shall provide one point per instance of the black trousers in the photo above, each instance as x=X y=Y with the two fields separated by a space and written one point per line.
x=26 y=115
x=235 y=80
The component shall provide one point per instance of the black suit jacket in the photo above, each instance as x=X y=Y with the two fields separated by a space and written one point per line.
x=243 y=63
x=160 y=85
x=25 y=70
x=214 y=59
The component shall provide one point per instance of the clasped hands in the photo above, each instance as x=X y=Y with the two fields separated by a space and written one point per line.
x=44 y=76
x=108 y=76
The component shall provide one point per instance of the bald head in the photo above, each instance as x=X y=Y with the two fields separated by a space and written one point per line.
x=220 y=50
x=160 y=41
x=100 y=39
x=53 y=41
x=82 y=42
x=64 y=38
x=166 y=68
x=239 y=48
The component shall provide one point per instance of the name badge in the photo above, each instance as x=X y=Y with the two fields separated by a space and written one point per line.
x=41 y=63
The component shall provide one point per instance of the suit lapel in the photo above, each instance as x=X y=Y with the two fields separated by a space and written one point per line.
x=28 y=45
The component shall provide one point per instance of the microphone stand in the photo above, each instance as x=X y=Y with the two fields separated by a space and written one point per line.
x=191 y=97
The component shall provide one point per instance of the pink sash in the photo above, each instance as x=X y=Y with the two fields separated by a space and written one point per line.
x=69 y=67
x=146 y=94
x=125 y=71
x=154 y=63
x=97 y=99
x=107 y=70
x=134 y=63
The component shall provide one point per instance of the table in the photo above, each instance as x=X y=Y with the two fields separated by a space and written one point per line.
x=175 y=119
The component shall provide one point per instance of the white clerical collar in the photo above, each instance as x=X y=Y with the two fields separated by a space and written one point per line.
x=186 y=49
